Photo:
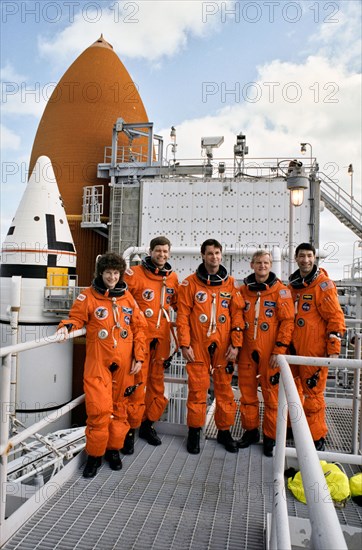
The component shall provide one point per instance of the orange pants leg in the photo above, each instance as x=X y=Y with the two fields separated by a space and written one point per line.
x=314 y=402
x=198 y=383
x=270 y=395
x=99 y=408
x=155 y=399
x=248 y=385
x=225 y=408
x=119 y=426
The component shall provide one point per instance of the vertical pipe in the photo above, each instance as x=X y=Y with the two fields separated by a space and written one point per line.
x=291 y=226
x=5 y=375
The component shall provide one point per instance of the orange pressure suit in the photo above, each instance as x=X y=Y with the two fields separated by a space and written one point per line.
x=210 y=316
x=155 y=290
x=269 y=318
x=319 y=326
x=115 y=336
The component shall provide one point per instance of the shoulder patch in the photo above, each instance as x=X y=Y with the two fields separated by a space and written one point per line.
x=326 y=285
x=285 y=293
x=129 y=272
x=81 y=297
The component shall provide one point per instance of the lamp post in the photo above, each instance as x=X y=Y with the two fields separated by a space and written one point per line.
x=303 y=150
x=297 y=181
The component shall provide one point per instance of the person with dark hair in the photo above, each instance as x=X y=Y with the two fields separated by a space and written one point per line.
x=209 y=327
x=269 y=317
x=115 y=350
x=154 y=286
x=318 y=329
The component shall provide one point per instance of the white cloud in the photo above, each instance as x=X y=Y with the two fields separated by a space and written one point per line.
x=9 y=140
x=327 y=115
x=142 y=29
x=339 y=37
x=20 y=95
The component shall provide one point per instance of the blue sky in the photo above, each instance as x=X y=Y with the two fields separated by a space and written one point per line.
x=282 y=72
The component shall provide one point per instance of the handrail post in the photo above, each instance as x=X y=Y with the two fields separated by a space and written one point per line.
x=326 y=531
x=280 y=533
x=5 y=377
x=357 y=406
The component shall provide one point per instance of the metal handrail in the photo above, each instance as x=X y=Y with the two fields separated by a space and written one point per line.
x=341 y=197
x=5 y=443
x=326 y=531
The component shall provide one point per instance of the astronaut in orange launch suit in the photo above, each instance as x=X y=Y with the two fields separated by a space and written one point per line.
x=209 y=329
x=319 y=327
x=269 y=318
x=115 y=350
x=154 y=286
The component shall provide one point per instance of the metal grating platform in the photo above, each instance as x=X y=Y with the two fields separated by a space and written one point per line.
x=165 y=498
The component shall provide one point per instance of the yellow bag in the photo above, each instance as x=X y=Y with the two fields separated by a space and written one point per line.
x=336 y=479
x=355 y=485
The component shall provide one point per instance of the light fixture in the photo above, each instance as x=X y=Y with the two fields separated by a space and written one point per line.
x=241 y=149
x=303 y=148
x=297 y=197
x=221 y=168
x=350 y=169
x=297 y=181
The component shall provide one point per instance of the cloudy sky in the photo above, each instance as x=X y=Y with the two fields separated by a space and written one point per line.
x=281 y=72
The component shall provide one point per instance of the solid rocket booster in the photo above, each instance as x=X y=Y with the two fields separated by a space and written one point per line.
x=38 y=248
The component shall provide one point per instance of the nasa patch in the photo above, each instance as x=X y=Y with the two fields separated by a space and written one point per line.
x=224 y=303
x=127 y=319
x=200 y=297
x=81 y=297
x=305 y=307
x=148 y=294
x=101 y=313
x=247 y=306
x=269 y=313
x=168 y=299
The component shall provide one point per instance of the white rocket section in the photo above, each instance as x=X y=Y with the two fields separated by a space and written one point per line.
x=28 y=244
x=38 y=242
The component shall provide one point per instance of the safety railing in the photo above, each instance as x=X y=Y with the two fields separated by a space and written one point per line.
x=326 y=531
x=6 y=443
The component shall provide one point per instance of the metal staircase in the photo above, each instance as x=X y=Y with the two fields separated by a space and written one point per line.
x=341 y=204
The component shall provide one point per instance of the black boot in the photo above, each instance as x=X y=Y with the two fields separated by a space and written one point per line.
x=224 y=437
x=249 y=438
x=320 y=444
x=115 y=462
x=128 y=444
x=268 y=445
x=93 y=463
x=193 y=441
x=148 y=432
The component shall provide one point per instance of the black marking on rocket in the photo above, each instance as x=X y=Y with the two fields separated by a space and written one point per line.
x=52 y=239
x=28 y=271
x=11 y=230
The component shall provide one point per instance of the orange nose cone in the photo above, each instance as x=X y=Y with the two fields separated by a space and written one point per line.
x=75 y=129
x=77 y=122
